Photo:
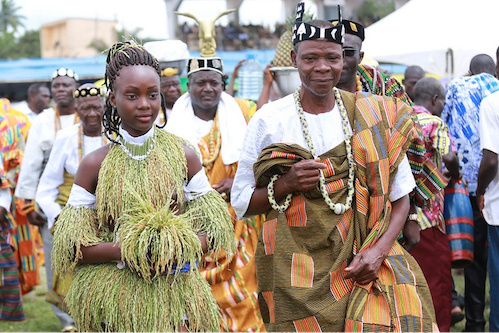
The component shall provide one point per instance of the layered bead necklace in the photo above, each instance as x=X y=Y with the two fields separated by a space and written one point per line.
x=138 y=152
x=337 y=208
x=214 y=144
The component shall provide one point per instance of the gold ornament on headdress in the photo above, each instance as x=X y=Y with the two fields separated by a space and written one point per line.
x=207 y=44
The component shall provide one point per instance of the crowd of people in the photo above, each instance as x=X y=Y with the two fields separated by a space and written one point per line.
x=235 y=37
x=322 y=210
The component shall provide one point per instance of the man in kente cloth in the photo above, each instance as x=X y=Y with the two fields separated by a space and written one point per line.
x=215 y=123
x=330 y=171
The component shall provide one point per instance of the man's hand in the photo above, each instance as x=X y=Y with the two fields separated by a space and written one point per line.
x=36 y=218
x=235 y=72
x=303 y=176
x=365 y=266
x=3 y=217
x=481 y=202
x=223 y=187
x=410 y=235
x=267 y=74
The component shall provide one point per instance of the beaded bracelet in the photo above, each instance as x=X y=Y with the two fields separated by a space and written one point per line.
x=272 y=200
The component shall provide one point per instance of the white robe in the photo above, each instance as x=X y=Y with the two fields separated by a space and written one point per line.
x=278 y=122
x=36 y=154
x=64 y=157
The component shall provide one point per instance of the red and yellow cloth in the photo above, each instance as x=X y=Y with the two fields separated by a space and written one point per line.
x=233 y=280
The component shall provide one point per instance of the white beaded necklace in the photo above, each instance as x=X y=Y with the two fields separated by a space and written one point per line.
x=338 y=208
x=138 y=152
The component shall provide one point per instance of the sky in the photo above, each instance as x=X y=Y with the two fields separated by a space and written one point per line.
x=150 y=15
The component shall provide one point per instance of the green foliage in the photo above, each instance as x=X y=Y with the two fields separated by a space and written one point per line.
x=372 y=11
x=26 y=46
x=7 y=45
x=9 y=19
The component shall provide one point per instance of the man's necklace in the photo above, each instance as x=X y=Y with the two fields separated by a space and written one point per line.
x=57 y=119
x=338 y=208
x=81 y=143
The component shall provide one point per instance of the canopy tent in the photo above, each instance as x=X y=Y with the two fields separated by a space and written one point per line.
x=441 y=36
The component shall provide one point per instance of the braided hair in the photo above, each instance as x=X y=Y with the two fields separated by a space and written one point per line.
x=123 y=54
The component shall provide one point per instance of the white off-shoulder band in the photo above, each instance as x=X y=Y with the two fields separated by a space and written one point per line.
x=80 y=197
x=197 y=186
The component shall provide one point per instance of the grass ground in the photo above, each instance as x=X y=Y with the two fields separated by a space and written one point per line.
x=40 y=318
x=459 y=285
x=39 y=314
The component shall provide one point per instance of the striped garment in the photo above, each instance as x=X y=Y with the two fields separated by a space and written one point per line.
x=429 y=181
x=12 y=131
x=438 y=143
x=463 y=97
x=302 y=254
x=233 y=281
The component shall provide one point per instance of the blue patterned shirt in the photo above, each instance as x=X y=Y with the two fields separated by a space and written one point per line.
x=462 y=115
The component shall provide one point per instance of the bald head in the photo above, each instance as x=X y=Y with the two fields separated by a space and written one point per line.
x=482 y=63
x=411 y=76
x=430 y=93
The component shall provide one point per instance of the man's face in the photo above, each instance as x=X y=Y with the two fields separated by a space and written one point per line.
x=440 y=104
x=205 y=88
x=62 y=90
x=90 y=110
x=170 y=88
x=319 y=64
x=410 y=80
x=352 y=58
x=41 y=99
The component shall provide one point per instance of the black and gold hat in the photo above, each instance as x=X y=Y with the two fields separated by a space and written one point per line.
x=352 y=28
x=88 y=91
x=205 y=64
x=64 y=72
x=304 y=31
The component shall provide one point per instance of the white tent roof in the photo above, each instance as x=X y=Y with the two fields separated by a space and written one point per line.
x=422 y=31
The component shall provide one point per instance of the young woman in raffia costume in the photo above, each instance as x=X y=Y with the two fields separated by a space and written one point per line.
x=140 y=216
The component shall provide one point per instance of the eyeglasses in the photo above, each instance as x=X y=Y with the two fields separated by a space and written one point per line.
x=350 y=52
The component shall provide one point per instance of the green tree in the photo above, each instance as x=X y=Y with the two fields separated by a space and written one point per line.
x=28 y=45
x=7 y=45
x=9 y=17
x=372 y=11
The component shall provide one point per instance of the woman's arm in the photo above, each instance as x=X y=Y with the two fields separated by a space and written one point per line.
x=87 y=178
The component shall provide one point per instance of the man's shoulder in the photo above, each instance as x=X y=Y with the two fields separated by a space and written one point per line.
x=277 y=109
x=67 y=132
x=44 y=116
x=490 y=103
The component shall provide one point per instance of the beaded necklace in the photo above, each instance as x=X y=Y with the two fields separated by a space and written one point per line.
x=138 y=152
x=57 y=120
x=359 y=83
x=338 y=208
x=214 y=144
x=81 y=143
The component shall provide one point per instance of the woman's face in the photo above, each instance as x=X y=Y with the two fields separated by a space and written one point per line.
x=137 y=97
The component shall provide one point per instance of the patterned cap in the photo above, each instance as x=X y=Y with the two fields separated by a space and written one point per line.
x=64 y=72
x=305 y=31
x=205 y=64
x=352 y=28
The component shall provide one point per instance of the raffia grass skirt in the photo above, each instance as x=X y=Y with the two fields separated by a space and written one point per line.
x=105 y=298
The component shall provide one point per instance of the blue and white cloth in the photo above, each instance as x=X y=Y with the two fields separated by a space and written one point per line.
x=461 y=113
